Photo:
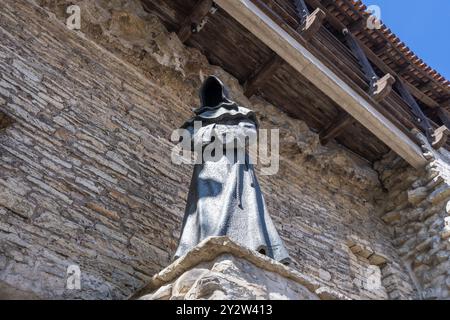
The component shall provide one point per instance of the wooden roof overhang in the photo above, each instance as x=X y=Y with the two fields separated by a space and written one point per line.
x=315 y=78
x=426 y=84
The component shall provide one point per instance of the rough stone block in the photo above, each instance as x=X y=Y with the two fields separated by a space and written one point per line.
x=391 y=216
x=221 y=269
x=415 y=196
x=440 y=194
x=378 y=259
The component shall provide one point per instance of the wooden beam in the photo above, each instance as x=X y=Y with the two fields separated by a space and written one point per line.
x=357 y=25
x=302 y=10
x=338 y=25
x=379 y=89
x=426 y=86
x=335 y=128
x=444 y=116
x=381 y=47
x=382 y=35
x=261 y=75
x=311 y=25
x=422 y=119
x=196 y=18
x=414 y=91
x=355 y=48
x=404 y=68
x=302 y=60
x=445 y=104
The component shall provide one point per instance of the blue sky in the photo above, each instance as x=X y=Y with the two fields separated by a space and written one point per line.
x=424 y=25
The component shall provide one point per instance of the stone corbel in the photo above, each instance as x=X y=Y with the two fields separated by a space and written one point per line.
x=312 y=23
x=382 y=87
x=203 y=274
x=440 y=137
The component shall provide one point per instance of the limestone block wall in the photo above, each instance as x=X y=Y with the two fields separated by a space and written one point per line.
x=418 y=211
x=85 y=171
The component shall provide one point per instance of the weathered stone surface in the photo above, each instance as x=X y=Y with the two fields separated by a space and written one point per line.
x=391 y=216
x=439 y=194
x=377 y=259
x=422 y=227
x=324 y=275
x=163 y=293
x=220 y=269
x=86 y=176
x=8 y=292
x=417 y=195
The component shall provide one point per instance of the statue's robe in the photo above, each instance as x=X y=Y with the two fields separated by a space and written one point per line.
x=224 y=197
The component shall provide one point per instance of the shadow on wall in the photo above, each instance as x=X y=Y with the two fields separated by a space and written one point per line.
x=5 y=121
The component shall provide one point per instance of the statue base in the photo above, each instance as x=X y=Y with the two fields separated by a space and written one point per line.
x=220 y=269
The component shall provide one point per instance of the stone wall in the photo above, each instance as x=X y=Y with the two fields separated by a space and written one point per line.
x=86 y=176
x=418 y=211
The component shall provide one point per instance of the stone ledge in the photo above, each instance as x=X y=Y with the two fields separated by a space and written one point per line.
x=218 y=268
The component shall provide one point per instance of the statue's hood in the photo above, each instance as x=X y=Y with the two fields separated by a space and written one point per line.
x=217 y=106
x=213 y=92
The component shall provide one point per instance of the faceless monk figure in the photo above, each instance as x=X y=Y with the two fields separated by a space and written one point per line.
x=224 y=197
